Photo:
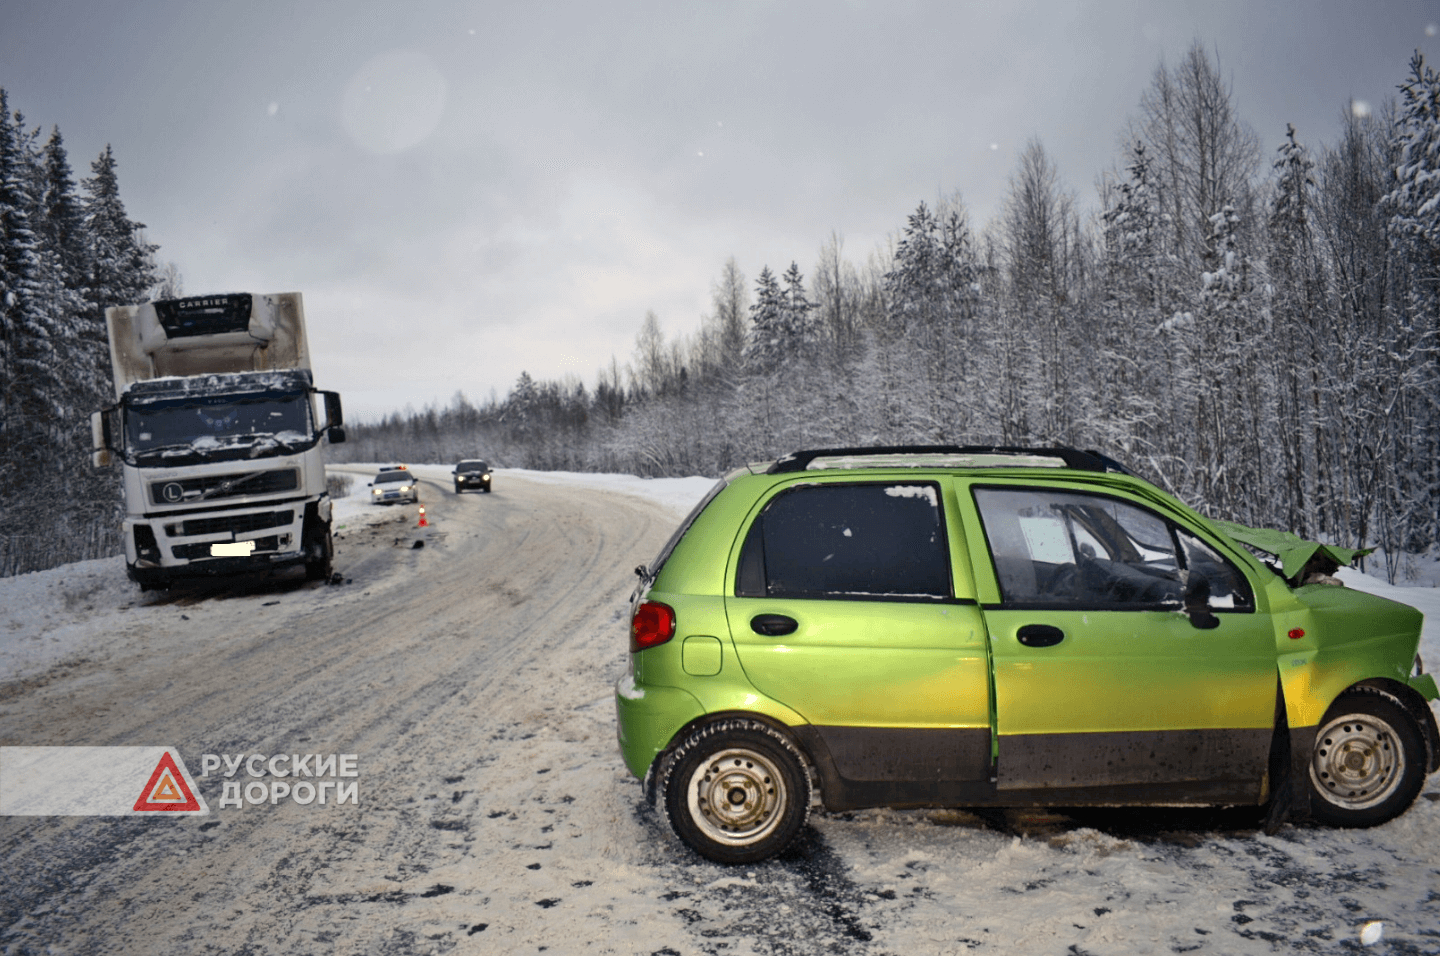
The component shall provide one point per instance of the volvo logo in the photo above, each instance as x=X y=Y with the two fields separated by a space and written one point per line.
x=172 y=492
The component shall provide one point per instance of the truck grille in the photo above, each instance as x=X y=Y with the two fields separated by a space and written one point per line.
x=229 y=524
x=189 y=490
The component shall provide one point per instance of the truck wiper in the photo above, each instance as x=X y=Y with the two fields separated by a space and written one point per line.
x=225 y=486
x=158 y=453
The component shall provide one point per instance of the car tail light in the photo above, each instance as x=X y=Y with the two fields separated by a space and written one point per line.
x=652 y=625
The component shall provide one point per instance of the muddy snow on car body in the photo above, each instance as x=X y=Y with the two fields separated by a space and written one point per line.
x=469 y=666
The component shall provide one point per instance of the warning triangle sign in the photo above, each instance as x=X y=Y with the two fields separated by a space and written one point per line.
x=167 y=789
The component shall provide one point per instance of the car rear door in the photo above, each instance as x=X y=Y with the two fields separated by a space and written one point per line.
x=1101 y=679
x=843 y=609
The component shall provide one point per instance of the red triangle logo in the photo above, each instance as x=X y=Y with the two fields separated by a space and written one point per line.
x=167 y=789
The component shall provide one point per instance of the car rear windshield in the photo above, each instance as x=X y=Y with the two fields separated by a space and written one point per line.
x=664 y=554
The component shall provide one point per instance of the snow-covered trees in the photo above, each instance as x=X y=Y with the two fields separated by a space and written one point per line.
x=63 y=258
x=1042 y=262
x=931 y=293
x=1260 y=341
x=1414 y=199
x=1413 y=209
x=1204 y=157
x=122 y=265
x=783 y=329
x=30 y=390
x=1293 y=300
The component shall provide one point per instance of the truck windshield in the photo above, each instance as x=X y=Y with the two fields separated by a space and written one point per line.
x=217 y=428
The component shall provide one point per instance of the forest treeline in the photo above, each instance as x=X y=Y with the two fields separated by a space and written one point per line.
x=1253 y=326
x=66 y=252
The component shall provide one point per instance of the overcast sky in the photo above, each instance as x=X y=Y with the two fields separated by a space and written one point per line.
x=464 y=190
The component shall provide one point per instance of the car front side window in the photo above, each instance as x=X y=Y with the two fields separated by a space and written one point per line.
x=1228 y=587
x=1060 y=549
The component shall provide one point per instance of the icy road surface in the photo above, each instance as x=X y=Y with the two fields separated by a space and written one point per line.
x=471 y=675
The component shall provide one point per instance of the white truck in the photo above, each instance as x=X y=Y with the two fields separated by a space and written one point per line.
x=217 y=428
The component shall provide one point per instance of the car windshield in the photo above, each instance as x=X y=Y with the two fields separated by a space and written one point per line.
x=217 y=428
x=385 y=477
x=472 y=466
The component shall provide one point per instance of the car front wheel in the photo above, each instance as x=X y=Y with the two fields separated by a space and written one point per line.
x=737 y=791
x=1369 y=761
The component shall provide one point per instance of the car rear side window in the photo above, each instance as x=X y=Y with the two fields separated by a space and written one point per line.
x=882 y=541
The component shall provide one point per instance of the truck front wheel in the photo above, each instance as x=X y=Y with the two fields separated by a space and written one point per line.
x=319 y=566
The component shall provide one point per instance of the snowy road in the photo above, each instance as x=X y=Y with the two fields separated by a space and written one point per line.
x=471 y=677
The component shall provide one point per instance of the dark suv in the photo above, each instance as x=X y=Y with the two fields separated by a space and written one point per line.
x=949 y=626
x=472 y=473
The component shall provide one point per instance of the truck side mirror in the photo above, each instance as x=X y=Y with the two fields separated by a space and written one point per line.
x=100 y=440
x=336 y=434
x=334 y=415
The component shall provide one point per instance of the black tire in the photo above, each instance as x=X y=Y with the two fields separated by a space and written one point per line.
x=736 y=791
x=320 y=567
x=457 y=487
x=1369 y=761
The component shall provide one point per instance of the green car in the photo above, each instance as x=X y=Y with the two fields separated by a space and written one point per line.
x=965 y=627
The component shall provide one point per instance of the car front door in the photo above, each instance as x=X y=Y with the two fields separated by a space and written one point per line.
x=1101 y=679
x=843 y=609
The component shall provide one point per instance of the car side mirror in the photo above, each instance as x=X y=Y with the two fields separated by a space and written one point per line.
x=1197 y=605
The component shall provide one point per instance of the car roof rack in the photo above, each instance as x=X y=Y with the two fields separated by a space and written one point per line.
x=1070 y=457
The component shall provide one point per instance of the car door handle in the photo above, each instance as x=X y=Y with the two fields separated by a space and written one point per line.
x=773 y=625
x=1039 y=635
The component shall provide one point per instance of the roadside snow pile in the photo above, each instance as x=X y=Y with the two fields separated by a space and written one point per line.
x=73 y=611
x=65 y=612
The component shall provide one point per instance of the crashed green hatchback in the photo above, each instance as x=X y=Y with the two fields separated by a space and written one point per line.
x=966 y=626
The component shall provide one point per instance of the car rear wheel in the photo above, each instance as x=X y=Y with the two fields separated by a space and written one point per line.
x=1369 y=761
x=736 y=791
